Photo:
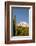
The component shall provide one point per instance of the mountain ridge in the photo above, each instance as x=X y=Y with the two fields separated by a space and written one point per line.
x=24 y=24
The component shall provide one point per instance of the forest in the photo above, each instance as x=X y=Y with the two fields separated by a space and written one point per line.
x=22 y=31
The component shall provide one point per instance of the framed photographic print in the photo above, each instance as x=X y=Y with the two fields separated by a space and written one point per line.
x=19 y=22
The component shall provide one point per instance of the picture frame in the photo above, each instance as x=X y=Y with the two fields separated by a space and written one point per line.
x=11 y=6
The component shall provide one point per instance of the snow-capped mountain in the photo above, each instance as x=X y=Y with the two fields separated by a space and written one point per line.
x=23 y=24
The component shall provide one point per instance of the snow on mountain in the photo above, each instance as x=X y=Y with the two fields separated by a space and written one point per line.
x=23 y=24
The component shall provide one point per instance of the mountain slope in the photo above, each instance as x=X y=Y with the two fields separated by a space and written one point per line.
x=23 y=24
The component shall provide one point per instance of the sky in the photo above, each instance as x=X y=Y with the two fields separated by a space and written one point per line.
x=22 y=14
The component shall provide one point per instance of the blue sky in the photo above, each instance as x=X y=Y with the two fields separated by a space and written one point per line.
x=22 y=14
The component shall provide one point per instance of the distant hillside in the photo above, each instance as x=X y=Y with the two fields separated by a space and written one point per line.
x=23 y=24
